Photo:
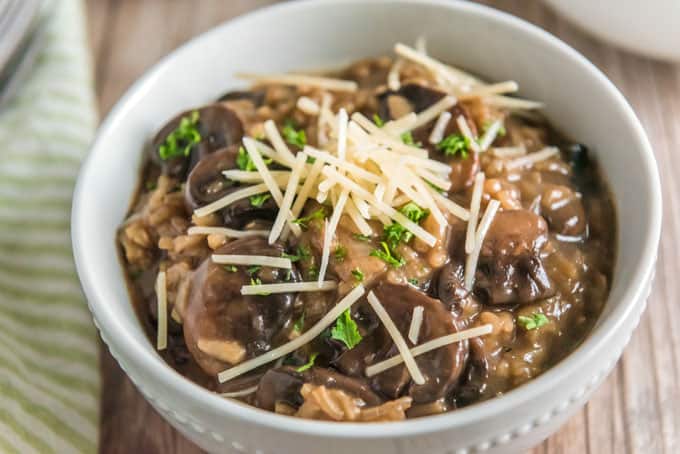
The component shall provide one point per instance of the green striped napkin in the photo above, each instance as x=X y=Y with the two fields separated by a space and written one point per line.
x=49 y=371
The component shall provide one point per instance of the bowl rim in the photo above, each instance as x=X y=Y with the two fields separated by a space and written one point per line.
x=113 y=330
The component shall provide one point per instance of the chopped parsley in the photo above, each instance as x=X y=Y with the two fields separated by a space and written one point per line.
x=340 y=253
x=309 y=364
x=534 y=321
x=245 y=162
x=180 y=141
x=299 y=324
x=301 y=253
x=413 y=281
x=151 y=185
x=257 y=281
x=231 y=268
x=258 y=200
x=252 y=270
x=346 y=330
x=358 y=274
x=313 y=272
x=455 y=144
x=378 y=121
x=293 y=136
x=360 y=237
x=386 y=255
x=414 y=212
x=407 y=138
x=396 y=233
x=304 y=221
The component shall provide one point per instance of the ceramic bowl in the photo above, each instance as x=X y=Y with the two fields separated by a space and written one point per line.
x=649 y=28
x=316 y=34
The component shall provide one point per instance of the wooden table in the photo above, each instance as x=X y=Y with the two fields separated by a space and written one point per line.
x=636 y=410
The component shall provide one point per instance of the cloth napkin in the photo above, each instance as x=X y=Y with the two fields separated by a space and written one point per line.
x=49 y=365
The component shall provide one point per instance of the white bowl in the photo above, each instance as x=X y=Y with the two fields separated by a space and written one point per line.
x=312 y=34
x=650 y=28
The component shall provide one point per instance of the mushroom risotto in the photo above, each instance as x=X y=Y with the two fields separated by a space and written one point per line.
x=388 y=241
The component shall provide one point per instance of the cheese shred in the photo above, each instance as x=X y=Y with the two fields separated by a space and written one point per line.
x=397 y=338
x=162 y=299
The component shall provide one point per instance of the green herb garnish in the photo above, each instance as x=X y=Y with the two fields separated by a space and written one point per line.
x=231 y=268
x=346 y=330
x=455 y=144
x=301 y=253
x=181 y=139
x=151 y=185
x=252 y=270
x=293 y=136
x=258 y=200
x=534 y=321
x=407 y=138
x=257 y=281
x=245 y=162
x=360 y=237
x=501 y=130
x=304 y=221
x=414 y=212
x=387 y=256
x=358 y=274
x=396 y=233
x=413 y=281
x=299 y=324
x=309 y=364
x=340 y=253
x=378 y=121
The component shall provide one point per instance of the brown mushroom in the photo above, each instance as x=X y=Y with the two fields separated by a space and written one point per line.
x=218 y=127
x=441 y=367
x=282 y=385
x=222 y=327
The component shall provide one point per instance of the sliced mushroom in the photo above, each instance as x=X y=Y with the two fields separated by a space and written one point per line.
x=206 y=183
x=283 y=384
x=441 y=367
x=510 y=267
x=416 y=98
x=223 y=327
x=218 y=127
x=564 y=211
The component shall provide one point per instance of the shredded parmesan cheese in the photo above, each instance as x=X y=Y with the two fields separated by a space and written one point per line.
x=288 y=287
x=230 y=233
x=437 y=134
x=299 y=341
x=473 y=256
x=450 y=206
x=393 y=76
x=416 y=323
x=329 y=233
x=243 y=176
x=342 y=133
x=476 y=201
x=428 y=346
x=308 y=105
x=513 y=103
x=465 y=130
x=241 y=393
x=251 y=260
x=231 y=198
x=490 y=135
x=434 y=110
x=324 y=83
x=509 y=86
x=533 y=158
x=397 y=338
x=284 y=211
x=277 y=142
x=162 y=299
x=509 y=152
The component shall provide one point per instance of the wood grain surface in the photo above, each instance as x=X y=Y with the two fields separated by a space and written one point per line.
x=636 y=410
